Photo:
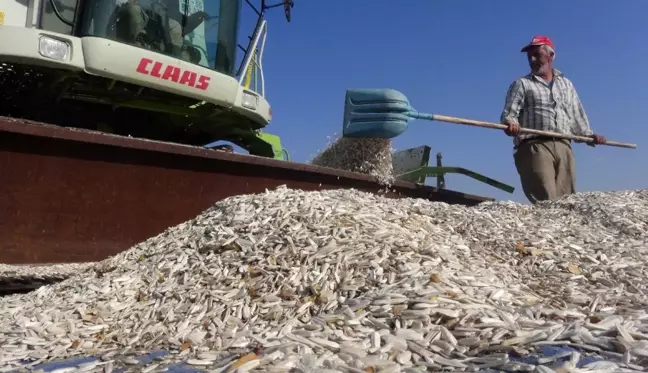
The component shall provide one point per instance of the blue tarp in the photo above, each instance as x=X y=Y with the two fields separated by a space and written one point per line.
x=545 y=351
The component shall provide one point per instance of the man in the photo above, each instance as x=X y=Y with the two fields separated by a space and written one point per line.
x=545 y=100
x=159 y=26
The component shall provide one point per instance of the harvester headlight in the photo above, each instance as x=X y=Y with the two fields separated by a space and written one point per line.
x=52 y=48
x=250 y=100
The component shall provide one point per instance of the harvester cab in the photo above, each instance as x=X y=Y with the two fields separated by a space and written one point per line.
x=156 y=69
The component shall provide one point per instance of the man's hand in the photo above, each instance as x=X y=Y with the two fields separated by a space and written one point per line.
x=513 y=127
x=598 y=140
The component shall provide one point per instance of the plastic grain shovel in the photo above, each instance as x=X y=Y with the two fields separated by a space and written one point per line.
x=384 y=113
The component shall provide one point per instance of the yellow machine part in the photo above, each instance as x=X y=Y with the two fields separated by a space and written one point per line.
x=250 y=72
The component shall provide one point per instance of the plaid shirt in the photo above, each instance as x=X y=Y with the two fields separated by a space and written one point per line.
x=532 y=103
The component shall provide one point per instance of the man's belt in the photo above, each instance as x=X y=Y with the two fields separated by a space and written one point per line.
x=541 y=139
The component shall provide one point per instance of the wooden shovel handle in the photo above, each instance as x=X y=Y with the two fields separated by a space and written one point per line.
x=477 y=123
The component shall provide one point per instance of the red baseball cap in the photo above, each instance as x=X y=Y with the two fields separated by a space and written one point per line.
x=539 y=40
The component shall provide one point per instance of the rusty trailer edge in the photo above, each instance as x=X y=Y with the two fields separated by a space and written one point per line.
x=69 y=195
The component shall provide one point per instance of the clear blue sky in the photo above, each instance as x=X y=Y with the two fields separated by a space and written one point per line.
x=458 y=58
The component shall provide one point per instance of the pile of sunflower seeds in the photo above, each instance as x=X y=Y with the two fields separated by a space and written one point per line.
x=42 y=272
x=345 y=281
x=371 y=156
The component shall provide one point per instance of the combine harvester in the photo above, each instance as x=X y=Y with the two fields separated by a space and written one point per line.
x=140 y=69
x=106 y=106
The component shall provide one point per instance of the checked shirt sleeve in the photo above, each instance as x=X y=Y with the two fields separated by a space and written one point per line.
x=514 y=102
x=580 y=124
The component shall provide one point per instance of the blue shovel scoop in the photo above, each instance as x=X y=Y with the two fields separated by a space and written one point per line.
x=384 y=113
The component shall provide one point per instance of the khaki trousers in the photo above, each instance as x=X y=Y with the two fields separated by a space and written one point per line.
x=546 y=168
